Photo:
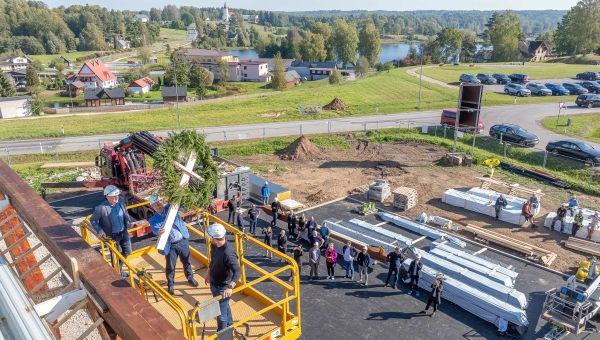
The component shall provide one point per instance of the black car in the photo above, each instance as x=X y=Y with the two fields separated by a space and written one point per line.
x=514 y=134
x=589 y=100
x=519 y=78
x=574 y=88
x=574 y=148
x=501 y=78
x=486 y=78
x=590 y=75
x=591 y=86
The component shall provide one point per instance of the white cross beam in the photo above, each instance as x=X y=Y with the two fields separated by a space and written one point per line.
x=174 y=209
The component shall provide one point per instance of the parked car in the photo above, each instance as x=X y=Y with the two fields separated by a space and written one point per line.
x=557 y=89
x=575 y=149
x=448 y=119
x=514 y=134
x=469 y=78
x=589 y=100
x=486 y=78
x=519 y=78
x=501 y=78
x=590 y=75
x=591 y=86
x=539 y=89
x=574 y=88
x=516 y=89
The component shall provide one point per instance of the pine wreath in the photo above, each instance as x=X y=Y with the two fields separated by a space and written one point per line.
x=176 y=148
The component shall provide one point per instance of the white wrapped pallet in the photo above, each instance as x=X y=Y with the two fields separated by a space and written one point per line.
x=420 y=228
x=380 y=230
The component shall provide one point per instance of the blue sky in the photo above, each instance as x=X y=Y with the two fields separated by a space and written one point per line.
x=308 y=5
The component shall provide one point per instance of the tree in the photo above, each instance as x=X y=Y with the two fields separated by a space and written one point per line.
x=37 y=65
x=563 y=42
x=187 y=19
x=155 y=14
x=547 y=36
x=312 y=47
x=327 y=32
x=293 y=36
x=143 y=54
x=59 y=66
x=32 y=79
x=200 y=76
x=369 y=44
x=279 y=83
x=584 y=25
x=182 y=74
x=335 y=77
x=36 y=104
x=92 y=38
x=201 y=91
x=222 y=71
x=362 y=67
x=412 y=52
x=504 y=36
x=6 y=89
x=432 y=49
x=345 y=42
x=469 y=46
x=450 y=40
x=168 y=48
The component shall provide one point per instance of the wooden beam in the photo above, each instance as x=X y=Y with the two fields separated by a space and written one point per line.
x=129 y=314
x=418 y=240
x=480 y=251
x=67 y=165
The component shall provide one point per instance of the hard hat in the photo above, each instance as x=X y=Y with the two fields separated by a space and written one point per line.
x=153 y=199
x=216 y=231
x=111 y=190
x=417 y=256
x=266 y=183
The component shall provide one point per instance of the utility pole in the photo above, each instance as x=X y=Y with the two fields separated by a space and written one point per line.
x=176 y=92
x=421 y=77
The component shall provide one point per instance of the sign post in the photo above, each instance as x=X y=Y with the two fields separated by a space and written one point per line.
x=561 y=105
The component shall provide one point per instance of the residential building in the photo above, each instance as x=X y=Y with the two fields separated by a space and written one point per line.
x=68 y=63
x=141 y=17
x=313 y=70
x=95 y=75
x=205 y=58
x=14 y=107
x=482 y=56
x=173 y=94
x=537 y=50
x=271 y=62
x=142 y=85
x=292 y=78
x=74 y=89
x=251 y=18
x=153 y=60
x=13 y=63
x=106 y=96
x=18 y=76
x=123 y=44
x=249 y=71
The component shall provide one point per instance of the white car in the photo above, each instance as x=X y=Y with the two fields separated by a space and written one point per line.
x=516 y=89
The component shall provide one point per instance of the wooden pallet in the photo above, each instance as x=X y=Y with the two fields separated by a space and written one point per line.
x=530 y=251
x=588 y=247
x=362 y=189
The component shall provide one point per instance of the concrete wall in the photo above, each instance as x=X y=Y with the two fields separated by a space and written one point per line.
x=13 y=109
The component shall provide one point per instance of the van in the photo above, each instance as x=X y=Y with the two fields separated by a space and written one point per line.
x=448 y=119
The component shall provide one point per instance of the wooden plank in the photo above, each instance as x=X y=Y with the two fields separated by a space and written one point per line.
x=129 y=314
x=480 y=251
x=418 y=240
x=68 y=165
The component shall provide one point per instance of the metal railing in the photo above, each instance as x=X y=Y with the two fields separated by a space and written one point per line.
x=290 y=327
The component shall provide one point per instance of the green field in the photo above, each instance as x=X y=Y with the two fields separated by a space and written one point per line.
x=169 y=35
x=450 y=73
x=392 y=92
x=584 y=126
x=46 y=58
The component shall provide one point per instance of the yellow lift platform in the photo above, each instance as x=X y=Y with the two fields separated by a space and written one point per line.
x=255 y=315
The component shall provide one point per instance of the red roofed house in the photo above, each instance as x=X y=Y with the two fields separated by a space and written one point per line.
x=95 y=75
x=141 y=85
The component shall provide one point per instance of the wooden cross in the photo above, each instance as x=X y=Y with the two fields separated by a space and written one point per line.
x=174 y=209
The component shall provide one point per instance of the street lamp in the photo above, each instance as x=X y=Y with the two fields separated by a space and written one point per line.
x=421 y=77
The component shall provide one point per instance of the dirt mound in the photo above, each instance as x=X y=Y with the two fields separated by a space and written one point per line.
x=336 y=105
x=301 y=149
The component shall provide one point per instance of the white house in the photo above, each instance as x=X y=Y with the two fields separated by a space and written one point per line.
x=142 y=17
x=14 y=63
x=14 y=107
x=142 y=85
x=250 y=18
x=94 y=74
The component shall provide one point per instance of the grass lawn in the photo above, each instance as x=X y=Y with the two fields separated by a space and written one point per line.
x=394 y=92
x=584 y=126
x=46 y=58
x=450 y=73
x=169 y=35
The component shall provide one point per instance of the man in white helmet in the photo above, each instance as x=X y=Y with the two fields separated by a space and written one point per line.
x=223 y=273
x=110 y=219
x=177 y=244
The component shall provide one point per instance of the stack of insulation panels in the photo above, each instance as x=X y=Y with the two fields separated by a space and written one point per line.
x=367 y=227
x=372 y=238
x=420 y=228
x=569 y=224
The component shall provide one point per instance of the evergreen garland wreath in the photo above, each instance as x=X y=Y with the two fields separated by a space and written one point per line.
x=176 y=148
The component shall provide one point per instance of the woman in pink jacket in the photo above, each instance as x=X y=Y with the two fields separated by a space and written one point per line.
x=330 y=258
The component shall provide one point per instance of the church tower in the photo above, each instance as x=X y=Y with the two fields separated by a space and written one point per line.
x=225 y=13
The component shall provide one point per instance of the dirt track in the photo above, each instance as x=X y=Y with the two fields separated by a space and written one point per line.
x=338 y=171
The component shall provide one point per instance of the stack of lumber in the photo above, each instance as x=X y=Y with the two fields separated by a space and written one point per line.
x=361 y=189
x=544 y=256
x=378 y=190
x=588 y=247
x=290 y=204
x=405 y=198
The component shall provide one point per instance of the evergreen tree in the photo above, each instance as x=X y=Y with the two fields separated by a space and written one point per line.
x=222 y=71
x=362 y=67
x=32 y=79
x=335 y=77
x=279 y=82
x=6 y=89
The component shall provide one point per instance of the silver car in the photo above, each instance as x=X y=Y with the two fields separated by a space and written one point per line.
x=517 y=89
x=539 y=89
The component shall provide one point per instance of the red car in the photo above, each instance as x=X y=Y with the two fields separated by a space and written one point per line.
x=448 y=119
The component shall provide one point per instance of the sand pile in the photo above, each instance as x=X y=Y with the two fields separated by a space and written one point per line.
x=336 y=105
x=301 y=149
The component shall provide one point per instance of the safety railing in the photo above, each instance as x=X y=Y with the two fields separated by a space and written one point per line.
x=291 y=323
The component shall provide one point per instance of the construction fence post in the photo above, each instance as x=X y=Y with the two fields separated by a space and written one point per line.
x=377 y=126
x=8 y=156
x=41 y=148
x=225 y=138
x=300 y=129
x=545 y=158
x=399 y=130
x=264 y=137
x=504 y=149
x=329 y=129
x=56 y=151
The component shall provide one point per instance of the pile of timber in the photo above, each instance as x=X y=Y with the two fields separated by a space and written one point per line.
x=405 y=198
x=532 y=252
x=588 y=247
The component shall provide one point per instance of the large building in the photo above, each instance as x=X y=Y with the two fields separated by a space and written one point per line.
x=13 y=63
x=205 y=58
x=95 y=75
x=249 y=71
x=226 y=13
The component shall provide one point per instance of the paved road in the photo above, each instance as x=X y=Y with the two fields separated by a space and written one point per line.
x=528 y=116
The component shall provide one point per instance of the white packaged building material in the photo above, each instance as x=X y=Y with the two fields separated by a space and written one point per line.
x=477 y=281
x=380 y=230
x=420 y=228
x=474 y=301
x=582 y=233
x=483 y=201
x=387 y=243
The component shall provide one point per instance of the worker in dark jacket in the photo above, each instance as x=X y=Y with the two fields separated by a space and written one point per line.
x=110 y=219
x=349 y=253
x=561 y=215
x=298 y=252
x=282 y=243
x=435 y=297
x=501 y=203
x=231 y=205
x=223 y=272
x=363 y=259
x=240 y=219
x=275 y=208
x=394 y=261
x=291 y=221
x=325 y=235
x=414 y=272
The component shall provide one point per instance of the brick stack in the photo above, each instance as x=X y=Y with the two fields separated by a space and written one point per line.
x=405 y=198
x=378 y=190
